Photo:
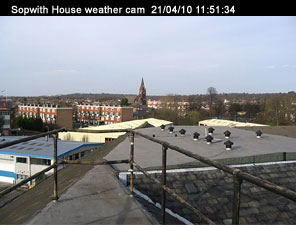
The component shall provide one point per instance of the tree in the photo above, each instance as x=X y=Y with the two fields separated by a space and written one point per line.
x=124 y=102
x=29 y=123
x=212 y=95
x=251 y=110
x=195 y=102
x=234 y=108
x=219 y=108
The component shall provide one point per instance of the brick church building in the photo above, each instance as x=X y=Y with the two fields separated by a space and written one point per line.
x=141 y=98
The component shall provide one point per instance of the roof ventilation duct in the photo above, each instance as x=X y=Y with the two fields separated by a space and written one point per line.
x=259 y=133
x=209 y=139
x=196 y=136
x=211 y=130
x=227 y=134
x=228 y=144
x=171 y=129
x=162 y=127
x=182 y=132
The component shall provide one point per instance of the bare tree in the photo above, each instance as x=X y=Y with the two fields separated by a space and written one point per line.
x=212 y=94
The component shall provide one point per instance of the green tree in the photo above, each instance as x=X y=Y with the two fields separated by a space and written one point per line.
x=124 y=102
x=29 y=123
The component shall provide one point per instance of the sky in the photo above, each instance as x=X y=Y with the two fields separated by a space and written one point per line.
x=174 y=55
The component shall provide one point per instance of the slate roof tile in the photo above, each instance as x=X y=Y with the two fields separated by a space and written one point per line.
x=212 y=191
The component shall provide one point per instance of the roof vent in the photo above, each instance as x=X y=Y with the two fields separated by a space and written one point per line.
x=182 y=132
x=211 y=130
x=171 y=129
x=259 y=133
x=162 y=127
x=209 y=139
x=195 y=136
x=228 y=144
x=227 y=134
x=153 y=135
x=176 y=135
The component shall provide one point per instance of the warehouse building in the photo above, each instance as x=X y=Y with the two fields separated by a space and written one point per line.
x=22 y=160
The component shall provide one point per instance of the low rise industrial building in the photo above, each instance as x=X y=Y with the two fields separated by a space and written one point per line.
x=104 y=134
x=22 y=160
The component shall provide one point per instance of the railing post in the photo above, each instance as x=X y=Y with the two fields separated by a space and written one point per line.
x=237 y=181
x=163 y=182
x=55 y=169
x=131 y=160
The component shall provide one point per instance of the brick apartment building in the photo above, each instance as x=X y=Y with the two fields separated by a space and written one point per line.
x=7 y=116
x=50 y=114
x=97 y=114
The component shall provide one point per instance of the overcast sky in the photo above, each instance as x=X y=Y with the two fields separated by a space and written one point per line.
x=175 y=55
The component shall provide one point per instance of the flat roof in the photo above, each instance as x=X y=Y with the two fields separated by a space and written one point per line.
x=133 y=124
x=40 y=148
x=148 y=153
x=228 y=123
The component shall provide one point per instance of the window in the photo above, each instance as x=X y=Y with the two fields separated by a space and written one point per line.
x=76 y=156
x=37 y=161
x=21 y=176
x=21 y=160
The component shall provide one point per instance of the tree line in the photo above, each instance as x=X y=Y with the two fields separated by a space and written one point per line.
x=273 y=109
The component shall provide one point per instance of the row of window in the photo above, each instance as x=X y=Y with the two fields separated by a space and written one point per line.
x=5 y=113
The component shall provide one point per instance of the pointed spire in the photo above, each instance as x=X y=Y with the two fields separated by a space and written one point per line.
x=142 y=83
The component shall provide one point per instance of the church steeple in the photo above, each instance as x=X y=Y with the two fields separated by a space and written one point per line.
x=141 y=98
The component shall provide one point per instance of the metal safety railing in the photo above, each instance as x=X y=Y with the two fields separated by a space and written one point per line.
x=53 y=133
x=238 y=175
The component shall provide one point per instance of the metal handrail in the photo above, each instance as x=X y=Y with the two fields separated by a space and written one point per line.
x=12 y=188
x=243 y=175
x=238 y=177
x=53 y=166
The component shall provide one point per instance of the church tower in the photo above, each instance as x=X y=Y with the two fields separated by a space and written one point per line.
x=141 y=98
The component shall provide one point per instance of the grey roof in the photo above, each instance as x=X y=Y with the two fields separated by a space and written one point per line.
x=212 y=193
x=246 y=144
x=40 y=148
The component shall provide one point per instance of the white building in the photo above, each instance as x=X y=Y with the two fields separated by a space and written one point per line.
x=22 y=160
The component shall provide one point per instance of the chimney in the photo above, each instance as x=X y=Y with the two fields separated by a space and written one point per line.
x=228 y=144
x=227 y=134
